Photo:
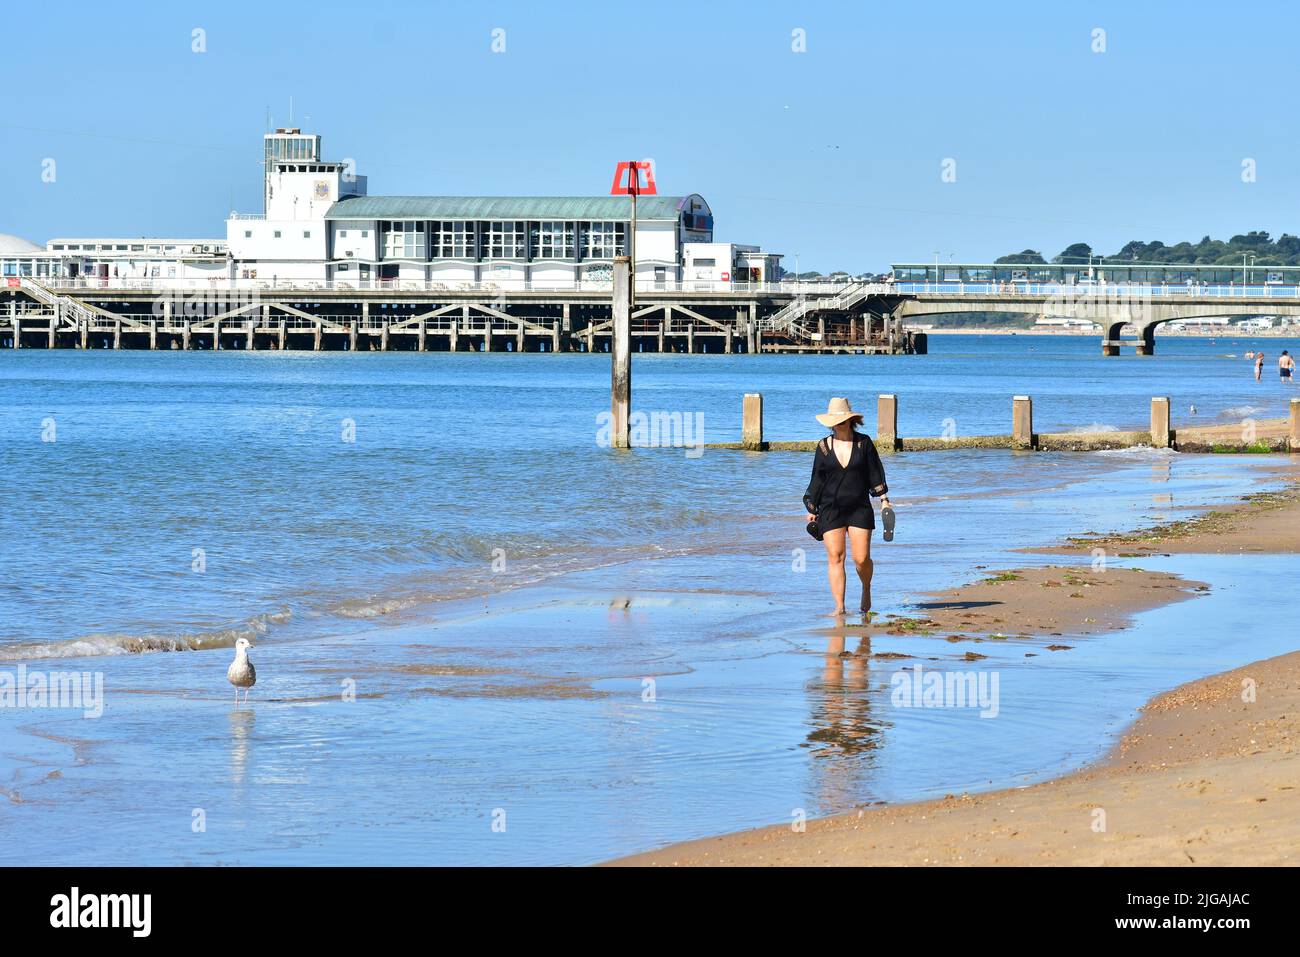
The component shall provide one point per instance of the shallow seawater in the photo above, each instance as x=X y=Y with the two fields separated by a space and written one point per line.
x=482 y=638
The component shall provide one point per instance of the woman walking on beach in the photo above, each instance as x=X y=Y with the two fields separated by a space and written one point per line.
x=846 y=472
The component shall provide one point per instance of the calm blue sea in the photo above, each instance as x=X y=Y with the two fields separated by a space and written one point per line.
x=612 y=650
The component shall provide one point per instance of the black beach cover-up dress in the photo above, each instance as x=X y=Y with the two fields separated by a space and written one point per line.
x=840 y=496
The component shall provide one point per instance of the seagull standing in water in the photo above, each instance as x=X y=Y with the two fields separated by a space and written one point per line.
x=241 y=672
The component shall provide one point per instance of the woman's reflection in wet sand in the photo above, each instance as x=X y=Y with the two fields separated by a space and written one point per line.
x=843 y=731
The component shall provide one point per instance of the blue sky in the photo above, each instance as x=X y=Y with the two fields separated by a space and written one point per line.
x=834 y=153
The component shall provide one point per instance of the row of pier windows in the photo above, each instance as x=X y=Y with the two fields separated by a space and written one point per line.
x=502 y=239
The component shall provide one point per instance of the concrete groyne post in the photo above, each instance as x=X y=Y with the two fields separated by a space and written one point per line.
x=620 y=353
x=887 y=421
x=1022 y=422
x=1293 y=436
x=751 y=423
x=1160 y=433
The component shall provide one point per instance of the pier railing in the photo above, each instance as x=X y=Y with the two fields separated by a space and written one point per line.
x=223 y=284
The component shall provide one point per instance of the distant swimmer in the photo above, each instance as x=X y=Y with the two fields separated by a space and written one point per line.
x=1259 y=366
x=1285 y=366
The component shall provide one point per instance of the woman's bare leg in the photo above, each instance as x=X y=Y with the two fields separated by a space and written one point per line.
x=860 y=542
x=834 y=542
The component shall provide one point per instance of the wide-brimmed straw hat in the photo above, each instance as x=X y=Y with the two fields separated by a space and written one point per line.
x=838 y=410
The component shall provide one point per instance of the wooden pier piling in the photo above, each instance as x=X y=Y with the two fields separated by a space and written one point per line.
x=1022 y=422
x=1160 y=431
x=1293 y=437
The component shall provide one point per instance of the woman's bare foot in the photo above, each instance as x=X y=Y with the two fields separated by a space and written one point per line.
x=865 y=607
x=837 y=613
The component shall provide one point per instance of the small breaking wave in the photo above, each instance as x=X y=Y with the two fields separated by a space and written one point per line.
x=100 y=645
x=1138 y=453
x=1244 y=411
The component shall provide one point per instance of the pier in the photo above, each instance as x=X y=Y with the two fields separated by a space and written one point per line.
x=706 y=317
x=667 y=317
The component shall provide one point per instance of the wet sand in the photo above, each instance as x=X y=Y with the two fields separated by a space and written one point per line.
x=1266 y=522
x=1207 y=775
x=1203 y=777
x=1051 y=600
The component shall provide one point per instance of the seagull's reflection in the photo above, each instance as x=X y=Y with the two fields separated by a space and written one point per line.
x=242 y=721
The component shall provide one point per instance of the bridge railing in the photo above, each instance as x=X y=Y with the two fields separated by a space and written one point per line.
x=1172 y=291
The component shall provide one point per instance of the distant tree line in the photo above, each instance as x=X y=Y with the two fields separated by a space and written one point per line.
x=1283 y=251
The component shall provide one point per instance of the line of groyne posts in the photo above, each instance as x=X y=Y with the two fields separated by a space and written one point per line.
x=1022 y=436
x=1160 y=435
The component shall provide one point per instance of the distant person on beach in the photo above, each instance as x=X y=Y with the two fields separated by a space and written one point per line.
x=1259 y=366
x=1285 y=366
x=846 y=472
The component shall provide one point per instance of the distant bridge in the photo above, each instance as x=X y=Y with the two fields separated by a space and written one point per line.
x=1111 y=306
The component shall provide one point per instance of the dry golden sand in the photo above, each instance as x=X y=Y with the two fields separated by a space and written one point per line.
x=1203 y=777
x=1207 y=775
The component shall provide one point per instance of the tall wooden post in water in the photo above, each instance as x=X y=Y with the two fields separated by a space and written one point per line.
x=620 y=354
